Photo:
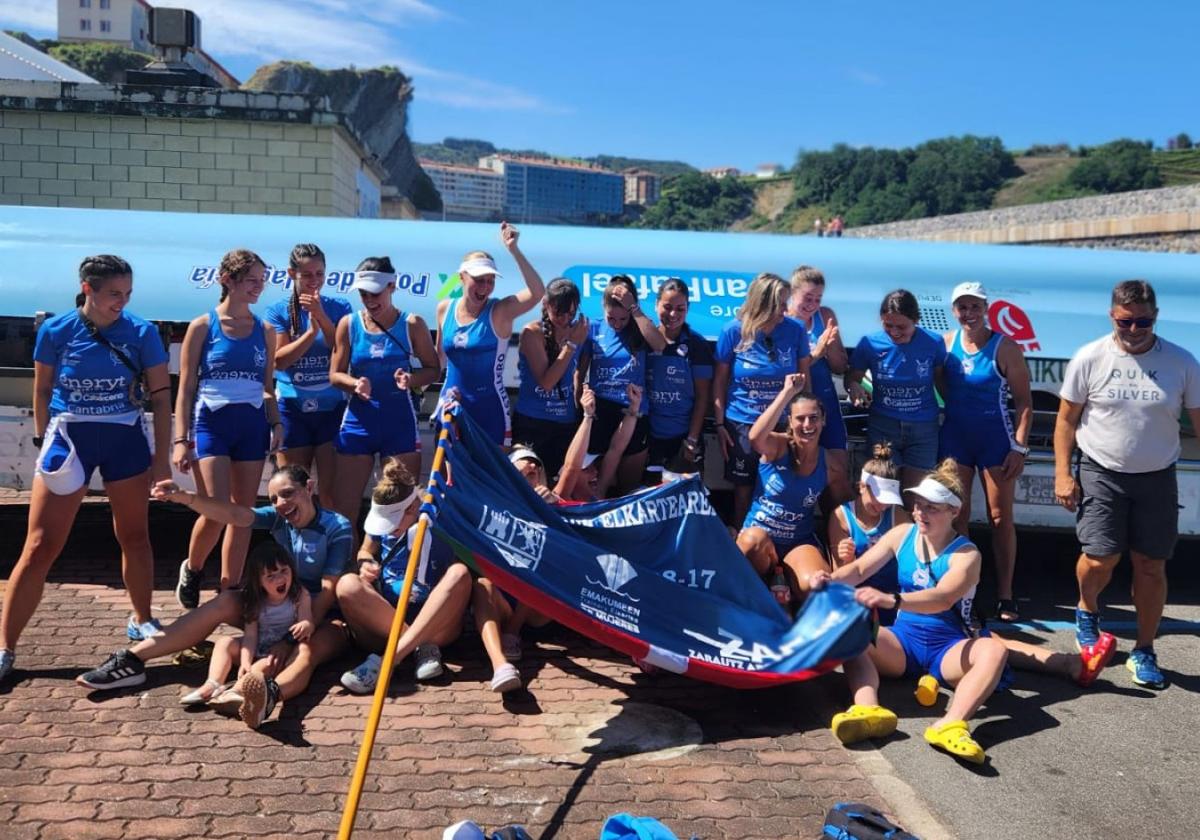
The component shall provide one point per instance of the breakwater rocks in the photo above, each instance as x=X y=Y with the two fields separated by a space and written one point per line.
x=1153 y=220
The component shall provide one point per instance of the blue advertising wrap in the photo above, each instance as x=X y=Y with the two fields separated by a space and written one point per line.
x=653 y=575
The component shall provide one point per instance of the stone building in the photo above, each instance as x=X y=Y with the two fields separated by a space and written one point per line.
x=182 y=149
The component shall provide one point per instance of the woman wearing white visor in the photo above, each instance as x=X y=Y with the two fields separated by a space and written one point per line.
x=475 y=330
x=437 y=600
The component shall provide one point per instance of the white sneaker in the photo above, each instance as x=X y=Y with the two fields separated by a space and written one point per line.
x=363 y=679
x=428 y=658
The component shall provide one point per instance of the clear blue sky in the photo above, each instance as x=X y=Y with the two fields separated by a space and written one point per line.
x=724 y=83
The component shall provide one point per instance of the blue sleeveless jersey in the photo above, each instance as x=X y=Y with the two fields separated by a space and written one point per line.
x=916 y=575
x=232 y=370
x=672 y=383
x=784 y=502
x=556 y=404
x=307 y=378
x=885 y=579
x=90 y=381
x=377 y=357
x=613 y=366
x=475 y=366
x=975 y=388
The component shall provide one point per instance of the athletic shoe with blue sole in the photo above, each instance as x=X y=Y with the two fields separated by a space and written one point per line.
x=144 y=630
x=1143 y=665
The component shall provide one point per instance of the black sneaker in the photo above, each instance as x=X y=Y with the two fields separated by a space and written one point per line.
x=120 y=670
x=187 y=591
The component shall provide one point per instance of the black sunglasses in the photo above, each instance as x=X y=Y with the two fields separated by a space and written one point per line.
x=1140 y=323
x=769 y=343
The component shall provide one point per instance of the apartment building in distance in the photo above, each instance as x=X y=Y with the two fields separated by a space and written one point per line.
x=642 y=187
x=555 y=191
x=468 y=193
x=127 y=23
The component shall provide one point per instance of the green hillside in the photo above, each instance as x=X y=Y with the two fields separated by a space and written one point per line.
x=1179 y=168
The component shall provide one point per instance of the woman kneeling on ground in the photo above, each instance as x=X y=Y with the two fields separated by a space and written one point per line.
x=437 y=600
x=319 y=542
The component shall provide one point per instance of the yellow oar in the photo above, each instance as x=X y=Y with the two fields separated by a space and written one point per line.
x=389 y=653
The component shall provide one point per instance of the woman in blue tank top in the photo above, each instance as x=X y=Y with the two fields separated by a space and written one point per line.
x=226 y=418
x=613 y=359
x=305 y=329
x=857 y=525
x=475 y=329
x=86 y=417
x=983 y=369
x=372 y=361
x=828 y=358
x=792 y=474
x=905 y=362
x=547 y=413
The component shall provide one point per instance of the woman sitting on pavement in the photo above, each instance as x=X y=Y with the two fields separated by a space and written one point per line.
x=792 y=474
x=857 y=525
x=437 y=600
x=319 y=541
x=938 y=573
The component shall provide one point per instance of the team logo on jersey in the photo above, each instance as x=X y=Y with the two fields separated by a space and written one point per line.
x=774 y=484
x=116 y=360
x=921 y=577
x=260 y=356
x=681 y=349
x=377 y=350
x=924 y=367
x=810 y=497
x=968 y=366
x=460 y=340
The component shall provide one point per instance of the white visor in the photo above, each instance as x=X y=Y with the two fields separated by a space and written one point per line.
x=936 y=492
x=383 y=519
x=478 y=267
x=522 y=453
x=69 y=476
x=590 y=459
x=886 y=490
x=372 y=281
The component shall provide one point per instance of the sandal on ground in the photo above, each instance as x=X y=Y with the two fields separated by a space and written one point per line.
x=955 y=738
x=510 y=646
x=506 y=679
x=203 y=694
x=1006 y=610
x=229 y=701
x=859 y=723
x=1095 y=658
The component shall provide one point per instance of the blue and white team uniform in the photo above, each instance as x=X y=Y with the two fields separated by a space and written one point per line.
x=91 y=407
x=320 y=549
x=785 y=503
x=546 y=418
x=309 y=406
x=230 y=420
x=756 y=376
x=978 y=430
x=673 y=375
x=904 y=408
x=436 y=558
x=385 y=424
x=886 y=578
x=475 y=366
x=820 y=377
x=613 y=366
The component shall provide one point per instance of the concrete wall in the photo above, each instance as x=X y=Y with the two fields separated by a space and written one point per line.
x=1162 y=220
x=205 y=166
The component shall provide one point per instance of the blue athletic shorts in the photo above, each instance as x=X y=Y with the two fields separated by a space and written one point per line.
x=308 y=428
x=926 y=645
x=118 y=450
x=833 y=436
x=914 y=443
x=238 y=431
x=374 y=428
x=981 y=443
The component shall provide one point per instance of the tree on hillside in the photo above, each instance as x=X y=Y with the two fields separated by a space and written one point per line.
x=1119 y=166
x=1183 y=141
x=103 y=62
x=695 y=201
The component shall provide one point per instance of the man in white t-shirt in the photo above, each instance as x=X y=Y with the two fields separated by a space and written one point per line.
x=1122 y=396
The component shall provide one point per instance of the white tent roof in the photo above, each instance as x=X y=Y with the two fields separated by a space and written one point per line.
x=18 y=60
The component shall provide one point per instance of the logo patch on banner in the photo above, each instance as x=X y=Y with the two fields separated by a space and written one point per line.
x=518 y=540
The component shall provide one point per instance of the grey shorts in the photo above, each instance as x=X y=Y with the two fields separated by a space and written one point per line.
x=1134 y=511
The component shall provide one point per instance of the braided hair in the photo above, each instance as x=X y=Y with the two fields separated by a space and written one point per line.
x=561 y=295
x=95 y=270
x=631 y=336
x=234 y=265
x=303 y=251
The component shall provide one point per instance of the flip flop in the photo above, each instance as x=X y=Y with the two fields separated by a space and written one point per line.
x=955 y=738
x=1095 y=658
x=859 y=723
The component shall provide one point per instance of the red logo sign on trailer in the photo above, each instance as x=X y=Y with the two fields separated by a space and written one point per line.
x=1011 y=320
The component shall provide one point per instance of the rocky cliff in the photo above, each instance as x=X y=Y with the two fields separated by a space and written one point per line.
x=376 y=101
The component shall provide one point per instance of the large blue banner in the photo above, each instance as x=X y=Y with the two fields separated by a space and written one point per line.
x=654 y=575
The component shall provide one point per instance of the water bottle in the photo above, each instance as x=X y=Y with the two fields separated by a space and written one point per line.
x=780 y=588
x=927 y=690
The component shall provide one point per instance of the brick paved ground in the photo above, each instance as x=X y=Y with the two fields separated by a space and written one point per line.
x=557 y=759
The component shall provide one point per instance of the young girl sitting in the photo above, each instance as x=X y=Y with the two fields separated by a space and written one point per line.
x=858 y=524
x=274 y=607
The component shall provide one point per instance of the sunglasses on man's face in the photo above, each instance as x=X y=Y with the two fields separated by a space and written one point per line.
x=1130 y=323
